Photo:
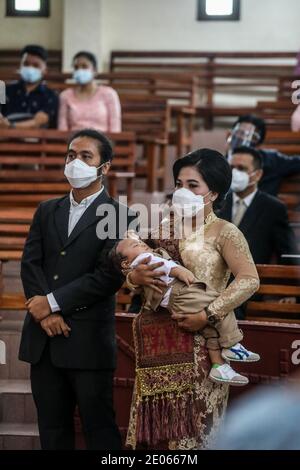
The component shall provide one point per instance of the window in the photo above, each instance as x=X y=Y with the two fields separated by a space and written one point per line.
x=218 y=10
x=27 y=8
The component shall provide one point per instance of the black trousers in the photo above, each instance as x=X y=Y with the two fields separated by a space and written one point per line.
x=56 y=392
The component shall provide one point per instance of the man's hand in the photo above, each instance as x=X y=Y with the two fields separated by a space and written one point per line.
x=191 y=322
x=4 y=122
x=146 y=274
x=183 y=275
x=39 y=307
x=55 y=325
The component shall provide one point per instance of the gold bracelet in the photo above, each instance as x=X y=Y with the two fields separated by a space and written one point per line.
x=129 y=284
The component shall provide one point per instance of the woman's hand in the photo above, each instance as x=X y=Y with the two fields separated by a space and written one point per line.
x=191 y=322
x=146 y=274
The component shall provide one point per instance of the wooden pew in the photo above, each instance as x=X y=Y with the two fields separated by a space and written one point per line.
x=46 y=150
x=277 y=114
x=252 y=64
x=10 y=60
x=180 y=91
x=276 y=282
x=149 y=118
x=277 y=344
x=284 y=141
x=249 y=72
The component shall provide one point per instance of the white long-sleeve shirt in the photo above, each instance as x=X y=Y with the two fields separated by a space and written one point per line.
x=167 y=266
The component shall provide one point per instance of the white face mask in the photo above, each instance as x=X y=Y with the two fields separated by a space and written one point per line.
x=81 y=175
x=240 y=180
x=31 y=74
x=188 y=204
x=83 y=76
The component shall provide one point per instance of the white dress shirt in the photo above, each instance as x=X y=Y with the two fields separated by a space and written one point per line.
x=76 y=212
x=247 y=201
x=166 y=268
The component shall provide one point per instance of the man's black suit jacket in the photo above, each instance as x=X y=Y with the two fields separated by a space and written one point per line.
x=76 y=270
x=265 y=226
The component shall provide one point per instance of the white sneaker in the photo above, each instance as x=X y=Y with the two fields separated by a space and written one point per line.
x=238 y=353
x=225 y=374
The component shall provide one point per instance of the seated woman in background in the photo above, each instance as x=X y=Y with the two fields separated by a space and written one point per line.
x=88 y=105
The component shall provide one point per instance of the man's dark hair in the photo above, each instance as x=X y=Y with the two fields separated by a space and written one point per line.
x=257 y=122
x=38 y=51
x=87 y=55
x=105 y=146
x=116 y=258
x=256 y=155
x=213 y=168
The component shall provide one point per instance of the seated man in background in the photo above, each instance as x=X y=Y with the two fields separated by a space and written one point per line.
x=250 y=131
x=30 y=104
x=263 y=219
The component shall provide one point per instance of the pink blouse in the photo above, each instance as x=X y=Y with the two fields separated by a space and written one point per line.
x=102 y=111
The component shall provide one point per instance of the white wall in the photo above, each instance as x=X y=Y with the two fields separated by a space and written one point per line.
x=171 y=24
x=104 y=25
x=17 y=32
x=82 y=28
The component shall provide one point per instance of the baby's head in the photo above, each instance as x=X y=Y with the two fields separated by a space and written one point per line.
x=125 y=252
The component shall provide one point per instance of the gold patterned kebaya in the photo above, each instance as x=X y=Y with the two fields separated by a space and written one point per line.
x=212 y=253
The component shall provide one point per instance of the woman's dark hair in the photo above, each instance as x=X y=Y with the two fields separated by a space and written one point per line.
x=256 y=121
x=105 y=146
x=87 y=55
x=213 y=168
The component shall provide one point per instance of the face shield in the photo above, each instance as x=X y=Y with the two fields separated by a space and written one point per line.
x=242 y=135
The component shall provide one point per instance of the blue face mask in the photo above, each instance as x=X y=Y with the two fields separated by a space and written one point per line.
x=83 y=76
x=31 y=74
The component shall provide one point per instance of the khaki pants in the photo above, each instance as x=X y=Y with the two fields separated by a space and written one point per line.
x=193 y=299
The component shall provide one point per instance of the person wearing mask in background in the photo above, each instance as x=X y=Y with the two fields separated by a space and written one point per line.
x=263 y=219
x=88 y=104
x=250 y=131
x=30 y=104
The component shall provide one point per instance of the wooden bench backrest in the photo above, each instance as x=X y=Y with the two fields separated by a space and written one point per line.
x=276 y=282
x=284 y=141
x=122 y=60
x=147 y=116
x=10 y=59
x=52 y=145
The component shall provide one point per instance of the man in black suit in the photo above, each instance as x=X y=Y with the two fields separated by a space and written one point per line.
x=262 y=218
x=250 y=131
x=69 y=334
